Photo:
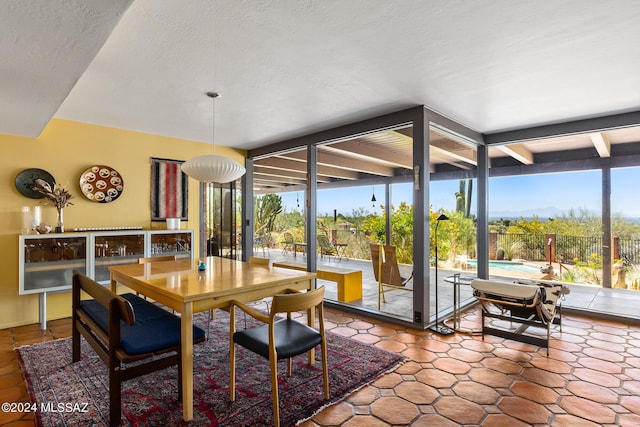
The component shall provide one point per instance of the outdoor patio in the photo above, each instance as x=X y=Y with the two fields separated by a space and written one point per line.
x=584 y=299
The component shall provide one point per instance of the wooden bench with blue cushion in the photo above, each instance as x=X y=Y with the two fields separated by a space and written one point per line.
x=124 y=329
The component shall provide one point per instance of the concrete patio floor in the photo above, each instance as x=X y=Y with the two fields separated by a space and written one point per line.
x=589 y=300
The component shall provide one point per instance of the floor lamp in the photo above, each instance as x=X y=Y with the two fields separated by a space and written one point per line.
x=442 y=330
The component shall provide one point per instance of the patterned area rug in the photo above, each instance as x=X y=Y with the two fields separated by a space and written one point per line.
x=67 y=394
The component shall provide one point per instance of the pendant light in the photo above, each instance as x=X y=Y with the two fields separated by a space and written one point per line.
x=373 y=197
x=212 y=167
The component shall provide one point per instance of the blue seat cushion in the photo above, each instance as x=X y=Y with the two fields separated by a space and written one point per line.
x=292 y=338
x=155 y=328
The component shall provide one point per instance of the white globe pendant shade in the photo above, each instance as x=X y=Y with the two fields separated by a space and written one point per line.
x=213 y=168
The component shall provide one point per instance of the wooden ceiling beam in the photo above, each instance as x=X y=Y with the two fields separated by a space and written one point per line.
x=301 y=166
x=378 y=152
x=601 y=142
x=345 y=163
x=466 y=156
x=518 y=152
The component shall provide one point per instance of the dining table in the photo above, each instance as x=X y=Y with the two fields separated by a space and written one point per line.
x=193 y=285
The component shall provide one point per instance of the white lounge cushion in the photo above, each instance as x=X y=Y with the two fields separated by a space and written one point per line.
x=507 y=291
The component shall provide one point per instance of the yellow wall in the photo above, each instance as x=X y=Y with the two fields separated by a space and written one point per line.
x=65 y=149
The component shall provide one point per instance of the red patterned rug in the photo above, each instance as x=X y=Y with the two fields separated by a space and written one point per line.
x=67 y=394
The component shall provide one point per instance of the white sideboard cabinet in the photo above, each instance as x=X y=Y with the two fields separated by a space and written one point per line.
x=47 y=261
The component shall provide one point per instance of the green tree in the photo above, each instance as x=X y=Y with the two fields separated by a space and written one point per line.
x=401 y=230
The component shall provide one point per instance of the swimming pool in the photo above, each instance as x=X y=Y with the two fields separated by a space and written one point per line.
x=507 y=265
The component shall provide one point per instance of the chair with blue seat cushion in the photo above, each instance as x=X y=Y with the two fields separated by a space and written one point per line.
x=281 y=339
x=123 y=329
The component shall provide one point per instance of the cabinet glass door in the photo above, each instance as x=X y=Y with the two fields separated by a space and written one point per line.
x=116 y=249
x=171 y=243
x=49 y=262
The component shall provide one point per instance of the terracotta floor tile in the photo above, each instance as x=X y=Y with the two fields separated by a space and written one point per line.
x=419 y=355
x=10 y=380
x=436 y=378
x=392 y=346
x=561 y=355
x=476 y=345
x=360 y=325
x=520 y=350
x=417 y=392
x=335 y=414
x=535 y=392
x=632 y=387
x=406 y=338
x=433 y=345
x=599 y=353
x=388 y=381
x=542 y=377
x=631 y=403
x=593 y=392
x=633 y=373
x=366 y=338
x=563 y=345
x=409 y=368
x=365 y=421
x=597 y=377
x=566 y=420
x=459 y=410
x=394 y=410
x=601 y=365
x=551 y=365
x=490 y=377
x=629 y=420
x=465 y=355
x=608 y=337
x=591 y=377
x=452 y=366
x=588 y=409
x=633 y=361
x=382 y=331
x=501 y=365
x=476 y=392
x=344 y=331
x=430 y=420
x=502 y=420
x=606 y=345
x=363 y=396
x=525 y=410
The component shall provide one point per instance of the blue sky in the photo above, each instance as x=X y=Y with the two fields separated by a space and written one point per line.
x=521 y=195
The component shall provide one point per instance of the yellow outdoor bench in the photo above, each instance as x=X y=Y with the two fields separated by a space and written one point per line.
x=349 y=281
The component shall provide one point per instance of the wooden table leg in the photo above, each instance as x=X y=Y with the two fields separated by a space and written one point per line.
x=187 y=361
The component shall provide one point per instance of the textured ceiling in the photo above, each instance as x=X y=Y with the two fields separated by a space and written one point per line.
x=287 y=68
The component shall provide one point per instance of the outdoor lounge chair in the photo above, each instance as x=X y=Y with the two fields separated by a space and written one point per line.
x=386 y=271
x=528 y=303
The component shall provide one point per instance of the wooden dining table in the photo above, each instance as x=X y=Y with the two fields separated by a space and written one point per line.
x=180 y=286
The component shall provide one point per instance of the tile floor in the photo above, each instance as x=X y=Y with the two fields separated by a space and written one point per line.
x=591 y=377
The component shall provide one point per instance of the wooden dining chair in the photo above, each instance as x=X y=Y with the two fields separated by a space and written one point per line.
x=281 y=339
x=157 y=259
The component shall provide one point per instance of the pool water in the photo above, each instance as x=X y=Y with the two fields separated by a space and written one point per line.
x=507 y=265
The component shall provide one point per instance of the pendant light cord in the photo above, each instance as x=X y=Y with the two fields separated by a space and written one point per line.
x=213 y=96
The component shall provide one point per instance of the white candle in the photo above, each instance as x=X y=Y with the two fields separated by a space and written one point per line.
x=26 y=220
x=37 y=216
